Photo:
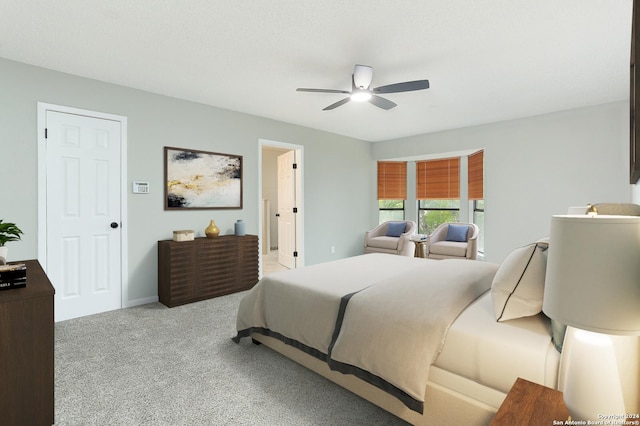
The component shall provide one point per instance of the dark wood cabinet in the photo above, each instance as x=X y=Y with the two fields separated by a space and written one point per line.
x=26 y=351
x=189 y=271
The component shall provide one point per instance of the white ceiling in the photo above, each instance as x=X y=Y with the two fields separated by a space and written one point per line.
x=486 y=60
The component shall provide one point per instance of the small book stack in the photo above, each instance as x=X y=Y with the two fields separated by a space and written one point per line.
x=13 y=276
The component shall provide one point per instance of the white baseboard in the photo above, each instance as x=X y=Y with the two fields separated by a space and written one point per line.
x=142 y=301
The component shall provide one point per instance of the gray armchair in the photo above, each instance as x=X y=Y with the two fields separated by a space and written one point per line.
x=459 y=242
x=391 y=237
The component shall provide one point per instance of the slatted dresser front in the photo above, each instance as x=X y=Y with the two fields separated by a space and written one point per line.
x=189 y=271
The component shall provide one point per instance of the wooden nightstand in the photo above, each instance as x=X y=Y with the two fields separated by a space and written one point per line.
x=529 y=403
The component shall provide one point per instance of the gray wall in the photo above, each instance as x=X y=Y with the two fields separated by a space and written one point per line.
x=536 y=167
x=332 y=217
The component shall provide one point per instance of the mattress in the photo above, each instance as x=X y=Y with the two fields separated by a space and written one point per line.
x=482 y=357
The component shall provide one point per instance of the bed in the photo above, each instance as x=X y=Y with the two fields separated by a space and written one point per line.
x=417 y=337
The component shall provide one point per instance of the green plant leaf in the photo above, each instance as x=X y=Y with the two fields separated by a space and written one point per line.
x=9 y=232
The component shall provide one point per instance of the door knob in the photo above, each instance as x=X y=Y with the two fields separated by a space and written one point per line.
x=114 y=225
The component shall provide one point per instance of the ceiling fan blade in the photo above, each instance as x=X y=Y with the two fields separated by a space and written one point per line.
x=302 y=89
x=407 y=86
x=337 y=104
x=382 y=102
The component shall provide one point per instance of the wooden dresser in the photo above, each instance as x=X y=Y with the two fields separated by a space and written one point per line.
x=26 y=351
x=189 y=271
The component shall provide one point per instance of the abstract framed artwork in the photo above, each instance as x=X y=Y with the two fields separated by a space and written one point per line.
x=202 y=180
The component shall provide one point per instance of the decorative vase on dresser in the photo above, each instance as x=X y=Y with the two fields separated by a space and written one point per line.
x=239 y=228
x=212 y=230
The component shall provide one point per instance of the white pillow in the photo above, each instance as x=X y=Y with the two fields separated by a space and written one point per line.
x=518 y=286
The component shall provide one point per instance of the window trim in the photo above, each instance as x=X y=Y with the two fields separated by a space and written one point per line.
x=474 y=219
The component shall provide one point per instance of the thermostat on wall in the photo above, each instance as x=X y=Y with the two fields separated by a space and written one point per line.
x=140 y=187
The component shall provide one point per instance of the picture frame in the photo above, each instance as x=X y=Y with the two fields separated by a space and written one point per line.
x=196 y=179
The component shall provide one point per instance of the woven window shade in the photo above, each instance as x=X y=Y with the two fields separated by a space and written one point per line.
x=438 y=179
x=476 y=176
x=392 y=180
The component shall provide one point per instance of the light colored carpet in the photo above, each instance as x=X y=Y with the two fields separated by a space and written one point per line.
x=151 y=365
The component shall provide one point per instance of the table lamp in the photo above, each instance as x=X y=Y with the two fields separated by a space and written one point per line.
x=593 y=286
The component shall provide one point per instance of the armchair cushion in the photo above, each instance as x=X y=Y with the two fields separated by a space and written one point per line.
x=395 y=229
x=457 y=233
x=385 y=242
x=449 y=249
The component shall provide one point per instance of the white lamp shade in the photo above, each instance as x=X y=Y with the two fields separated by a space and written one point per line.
x=593 y=273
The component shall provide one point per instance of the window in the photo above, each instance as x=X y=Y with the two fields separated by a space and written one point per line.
x=478 y=219
x=438 y=179
x=390 y=210
x=476 y=176
x=432 y=213
x=476 y=193
x=392 y=190
x=438 y=193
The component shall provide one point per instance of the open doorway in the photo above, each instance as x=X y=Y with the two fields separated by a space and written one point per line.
x=281 y=206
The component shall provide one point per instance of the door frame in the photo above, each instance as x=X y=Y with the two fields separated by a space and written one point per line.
x=300 y=196
x=42 y=187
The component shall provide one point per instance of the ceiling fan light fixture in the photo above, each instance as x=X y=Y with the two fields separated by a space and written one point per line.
x=361 y=91
x=360 y=95
x=362 y=75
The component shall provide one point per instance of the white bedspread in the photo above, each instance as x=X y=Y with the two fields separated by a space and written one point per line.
x=380 y=317
x=494 y=353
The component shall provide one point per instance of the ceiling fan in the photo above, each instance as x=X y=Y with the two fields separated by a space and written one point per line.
x=360 y=91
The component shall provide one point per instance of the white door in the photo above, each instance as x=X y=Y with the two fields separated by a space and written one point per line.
x=286 y=206
x=83 y=229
